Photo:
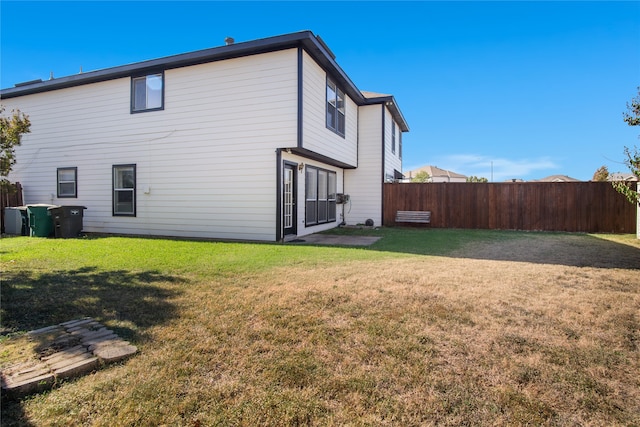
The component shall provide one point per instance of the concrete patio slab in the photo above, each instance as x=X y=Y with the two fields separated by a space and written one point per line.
x=334 y=240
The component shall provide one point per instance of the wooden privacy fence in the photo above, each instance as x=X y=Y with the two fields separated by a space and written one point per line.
x=10 y=195
x=593 y=207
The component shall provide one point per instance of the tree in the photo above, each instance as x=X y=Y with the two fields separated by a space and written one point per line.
x=421 y=176
x=477 y=179
x=632 y=117
x=601 y=175
x=11 y=130
x=632 y=160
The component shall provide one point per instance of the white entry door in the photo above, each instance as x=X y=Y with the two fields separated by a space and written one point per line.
x=289 y=199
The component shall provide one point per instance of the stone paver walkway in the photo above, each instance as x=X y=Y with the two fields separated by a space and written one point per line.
x=67 y=350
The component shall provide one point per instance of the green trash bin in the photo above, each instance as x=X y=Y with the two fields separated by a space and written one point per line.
x=40 y=221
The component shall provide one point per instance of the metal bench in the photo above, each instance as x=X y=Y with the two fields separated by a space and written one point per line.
x=423 y=217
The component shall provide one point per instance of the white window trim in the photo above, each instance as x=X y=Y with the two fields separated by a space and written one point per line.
x=117 y=190
x=60 y=194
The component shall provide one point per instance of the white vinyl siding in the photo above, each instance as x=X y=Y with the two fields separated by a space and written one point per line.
x=392 y=161
x=364 y=184
x=205 y=164
x=316 y=136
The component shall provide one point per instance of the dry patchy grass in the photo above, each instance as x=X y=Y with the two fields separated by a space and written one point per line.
x=402 y=340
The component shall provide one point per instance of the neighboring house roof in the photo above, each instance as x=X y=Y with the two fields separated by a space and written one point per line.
x=622 y=177
x=435 y=172
x=306 y=39
x=371 y=95
x=556 y=178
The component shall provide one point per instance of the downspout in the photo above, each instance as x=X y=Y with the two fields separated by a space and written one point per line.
x=299 y=128
x=300 y=104
x=344 y=183
x=344 y=220
x=279 y=236
x=300 y=132
x=384 y=149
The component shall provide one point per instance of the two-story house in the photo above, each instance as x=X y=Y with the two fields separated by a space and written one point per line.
x=252 y=141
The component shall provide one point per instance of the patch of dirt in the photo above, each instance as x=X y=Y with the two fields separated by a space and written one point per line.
x=576 y=251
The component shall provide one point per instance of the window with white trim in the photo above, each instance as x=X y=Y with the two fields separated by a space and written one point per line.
x=335 y=108
x=320 y=196
x=147 y=93
x=124 y=190
x=67 y=182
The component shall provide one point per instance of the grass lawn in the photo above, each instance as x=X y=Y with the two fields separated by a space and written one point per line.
x=425 y=327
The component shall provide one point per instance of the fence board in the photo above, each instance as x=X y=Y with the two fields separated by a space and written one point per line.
x=9 y=197
x=593 y=207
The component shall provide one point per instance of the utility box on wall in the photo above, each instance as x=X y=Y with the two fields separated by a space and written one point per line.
x=342 y=198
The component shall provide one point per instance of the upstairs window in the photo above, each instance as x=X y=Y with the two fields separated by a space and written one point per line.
x=393 y=137
x=335 y=108
x=67 y=182
x=147 y=93
x=124 y=190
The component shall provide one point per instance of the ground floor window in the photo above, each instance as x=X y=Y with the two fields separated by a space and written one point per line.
x=124 y=190
x=320 y=196
x=67 y=182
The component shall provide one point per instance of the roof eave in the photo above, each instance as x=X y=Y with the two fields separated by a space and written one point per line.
x=305 y=39
x=219 y=53
x=392 y=105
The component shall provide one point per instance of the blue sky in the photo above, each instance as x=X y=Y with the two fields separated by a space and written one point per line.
x=495 y=89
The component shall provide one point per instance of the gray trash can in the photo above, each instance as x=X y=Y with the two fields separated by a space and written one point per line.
x=67 y=220
x=16 y=220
